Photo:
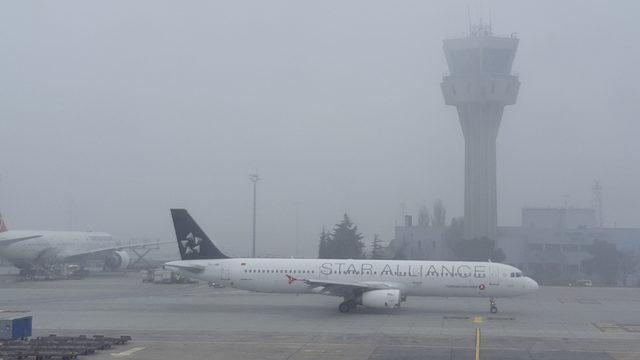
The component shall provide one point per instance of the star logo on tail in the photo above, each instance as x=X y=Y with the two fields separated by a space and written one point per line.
x=191 y=244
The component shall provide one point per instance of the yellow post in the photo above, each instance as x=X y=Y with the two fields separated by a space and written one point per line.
x=477 y=343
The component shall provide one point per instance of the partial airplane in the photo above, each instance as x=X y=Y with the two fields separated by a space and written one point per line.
x=37 y=252
x=371 y=283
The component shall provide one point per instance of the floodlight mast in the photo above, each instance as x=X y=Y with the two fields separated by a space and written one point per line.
x=254 y=179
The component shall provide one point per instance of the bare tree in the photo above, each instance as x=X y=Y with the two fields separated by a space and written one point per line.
x=377 y=249
x=439 y=217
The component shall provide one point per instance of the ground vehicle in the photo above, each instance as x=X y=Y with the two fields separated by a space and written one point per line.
x=581 y=283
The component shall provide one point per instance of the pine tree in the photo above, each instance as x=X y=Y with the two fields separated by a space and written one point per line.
x=323 y=248
x=346 y=241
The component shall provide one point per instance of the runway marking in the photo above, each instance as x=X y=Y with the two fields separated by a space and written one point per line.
x=410 y=346
x=631 y=327
x=604 y=327
x=478 y=320
x=609 y=327
x=128 y=352
x=588 y=301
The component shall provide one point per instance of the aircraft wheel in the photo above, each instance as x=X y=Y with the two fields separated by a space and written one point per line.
x=29 y=275
x=494 y=309
x=345 y=307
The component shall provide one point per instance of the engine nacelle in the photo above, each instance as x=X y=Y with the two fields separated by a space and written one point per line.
x=381 y=298
x=117 y=260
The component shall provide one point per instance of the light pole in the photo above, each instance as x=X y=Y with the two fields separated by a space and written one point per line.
x=297 y=228
x=254 y=179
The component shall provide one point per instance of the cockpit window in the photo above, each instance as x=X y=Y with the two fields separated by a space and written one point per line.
x=516 y=274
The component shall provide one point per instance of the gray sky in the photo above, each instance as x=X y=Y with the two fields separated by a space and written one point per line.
x=127 y=108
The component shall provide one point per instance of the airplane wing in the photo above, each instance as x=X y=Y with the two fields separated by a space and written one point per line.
x=6 y=242
x=193 y=268
x=343 y=288
x=70 y=252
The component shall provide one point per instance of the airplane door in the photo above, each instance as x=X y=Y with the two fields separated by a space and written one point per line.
x=494 y=278
x=224 y=271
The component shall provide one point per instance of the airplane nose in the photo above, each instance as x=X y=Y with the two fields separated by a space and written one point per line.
x=533 y=285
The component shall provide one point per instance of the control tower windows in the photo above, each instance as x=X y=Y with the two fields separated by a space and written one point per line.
x=496 y=61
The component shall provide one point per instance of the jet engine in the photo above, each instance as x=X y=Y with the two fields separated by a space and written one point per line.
x=117 y=260
x=381 y=298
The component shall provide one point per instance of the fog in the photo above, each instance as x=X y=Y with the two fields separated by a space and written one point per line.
x=112 y=112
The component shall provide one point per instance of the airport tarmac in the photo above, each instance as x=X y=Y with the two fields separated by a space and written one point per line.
x=195 y=321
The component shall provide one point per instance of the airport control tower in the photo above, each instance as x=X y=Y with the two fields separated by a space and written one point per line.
x=480 y=85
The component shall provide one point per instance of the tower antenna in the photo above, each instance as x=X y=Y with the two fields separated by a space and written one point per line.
x=469 y=18
x=490 y=22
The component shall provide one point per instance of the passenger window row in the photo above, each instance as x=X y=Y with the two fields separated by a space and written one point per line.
x=280 y=271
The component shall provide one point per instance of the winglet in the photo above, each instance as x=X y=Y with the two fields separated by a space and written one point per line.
x=3 y=226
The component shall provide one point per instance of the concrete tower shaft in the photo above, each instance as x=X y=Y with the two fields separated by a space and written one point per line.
x=480 y=85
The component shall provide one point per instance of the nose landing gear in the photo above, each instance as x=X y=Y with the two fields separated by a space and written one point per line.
x=493 y=306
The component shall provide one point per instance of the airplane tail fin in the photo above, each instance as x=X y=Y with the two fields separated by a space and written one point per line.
x=3 y=226
x=193 y=243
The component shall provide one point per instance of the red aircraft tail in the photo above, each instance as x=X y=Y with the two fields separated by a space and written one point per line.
x=3 y=226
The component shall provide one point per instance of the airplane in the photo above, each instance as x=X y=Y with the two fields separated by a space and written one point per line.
x=38 y=252
x=370 y=283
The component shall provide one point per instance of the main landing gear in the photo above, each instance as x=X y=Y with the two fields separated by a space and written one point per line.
x=347 y=306
x=493 y=306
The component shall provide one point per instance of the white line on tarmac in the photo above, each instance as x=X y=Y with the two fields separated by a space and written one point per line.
x=411 y=346
x=128 y=352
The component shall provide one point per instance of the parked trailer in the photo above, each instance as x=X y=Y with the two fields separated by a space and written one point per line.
x=58 y=347
x=15 y=326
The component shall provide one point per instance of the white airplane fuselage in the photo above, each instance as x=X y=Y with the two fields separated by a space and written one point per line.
x=47 y=247
x=412 y=278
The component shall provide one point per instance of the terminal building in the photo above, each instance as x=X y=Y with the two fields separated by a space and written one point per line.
x=550 y=245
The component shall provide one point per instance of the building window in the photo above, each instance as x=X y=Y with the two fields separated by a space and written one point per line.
x=586 y=248
x=552 y=247
x=534 y=247
x=570 y=247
